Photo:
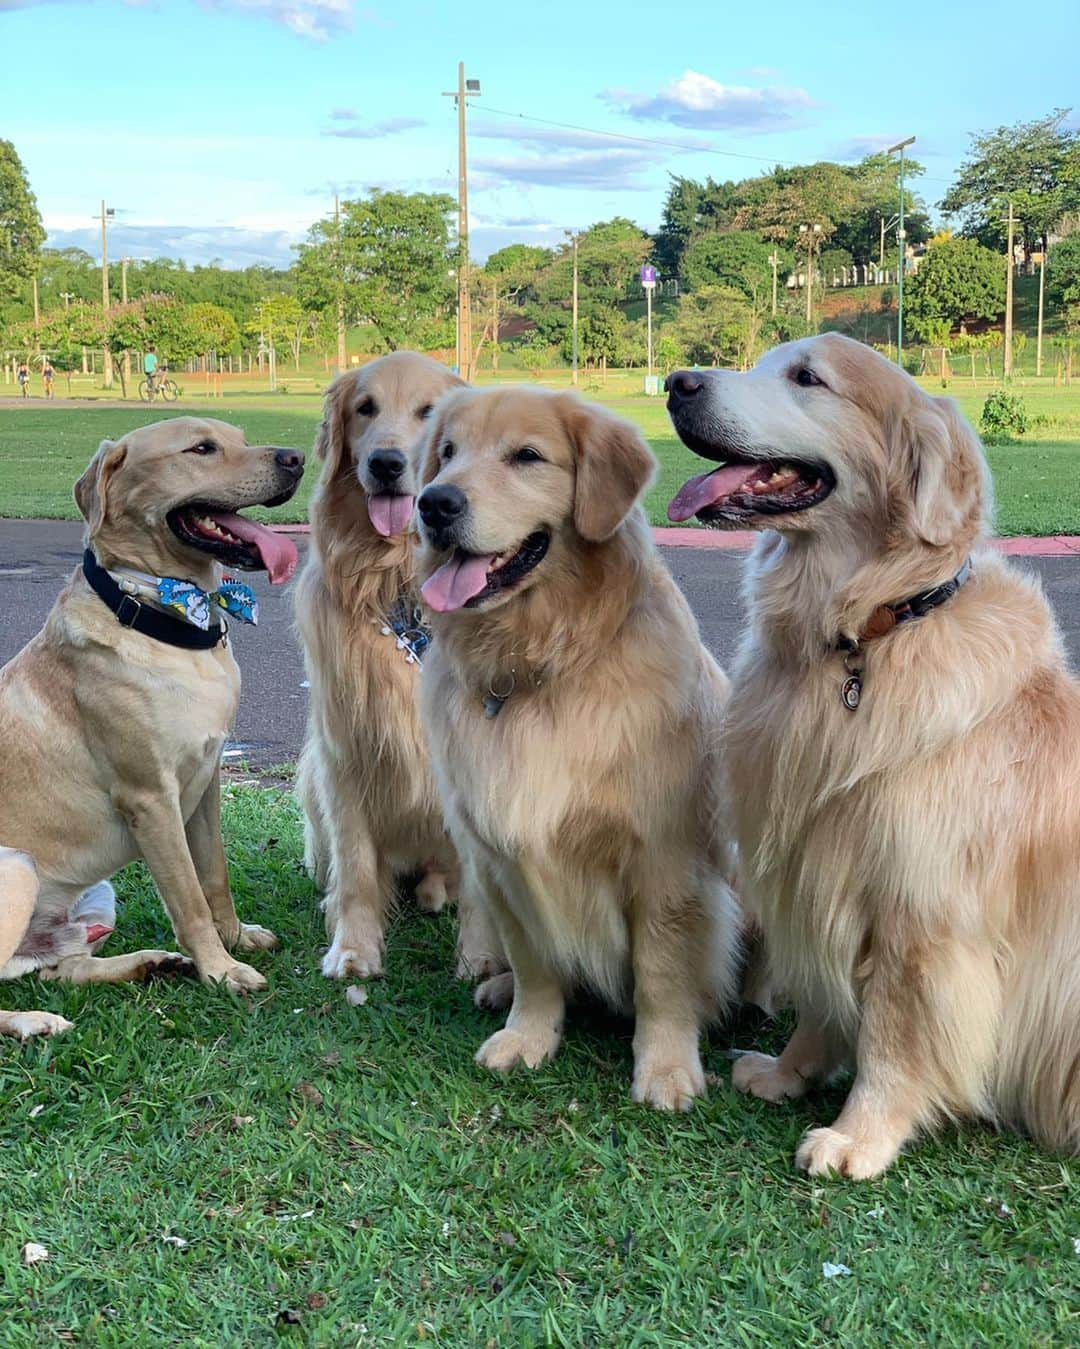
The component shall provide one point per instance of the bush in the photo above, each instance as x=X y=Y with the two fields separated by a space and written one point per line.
x=1003 y=416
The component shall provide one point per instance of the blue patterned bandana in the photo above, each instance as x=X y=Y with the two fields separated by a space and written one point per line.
x=189 y=601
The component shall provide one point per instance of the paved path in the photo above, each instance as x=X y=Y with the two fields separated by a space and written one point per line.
x=36 y=558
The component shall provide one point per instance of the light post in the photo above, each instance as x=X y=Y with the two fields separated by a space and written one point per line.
x=107 y=213
x=648 y=280
x=812 y=232
x=123 y=298
x=465 y=89
x=774 y=263
x=901 y=237
x=67 y=296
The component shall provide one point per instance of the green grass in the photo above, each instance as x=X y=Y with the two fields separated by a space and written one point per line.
x=44 y=449
x=353 y=1167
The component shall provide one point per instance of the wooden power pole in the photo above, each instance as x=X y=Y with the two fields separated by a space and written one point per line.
x=1008 y=364
x=465 y=88
x=107 y=366
x=340 y=283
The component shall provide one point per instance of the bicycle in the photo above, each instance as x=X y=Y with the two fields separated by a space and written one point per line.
x=167 y=389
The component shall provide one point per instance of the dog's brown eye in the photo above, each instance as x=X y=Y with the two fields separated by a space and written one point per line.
x=203 y=447
x=424 y=413
x=367 y=408
x=527 y=455
x=807 y=378
x=448 y=451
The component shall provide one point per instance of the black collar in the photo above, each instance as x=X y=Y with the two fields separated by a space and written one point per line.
x=887 y=616
x=144 y=618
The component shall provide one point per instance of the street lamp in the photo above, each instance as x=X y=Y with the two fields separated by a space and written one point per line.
x=107 y=213
x=901 y=236
x=811 y=232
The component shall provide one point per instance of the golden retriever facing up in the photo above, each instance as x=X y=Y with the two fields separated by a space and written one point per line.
x=905 y=742
x=572 y=715
x=365 y=781
x=113 y=717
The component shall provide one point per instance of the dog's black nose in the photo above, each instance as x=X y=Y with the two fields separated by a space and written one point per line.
x=684 y=383
x=386 y=465
x=293 y=460
x=441 y=505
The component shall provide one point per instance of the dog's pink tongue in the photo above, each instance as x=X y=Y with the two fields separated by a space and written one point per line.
x=277 y=551
x=390 y=514
x=456 y=582
x=707 y=489
x=96 y=932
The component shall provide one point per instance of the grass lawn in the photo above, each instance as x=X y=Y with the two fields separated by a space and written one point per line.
x=44 y=449
x=352 y=1169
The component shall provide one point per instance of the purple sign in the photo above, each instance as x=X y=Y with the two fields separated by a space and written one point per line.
x=648 y=276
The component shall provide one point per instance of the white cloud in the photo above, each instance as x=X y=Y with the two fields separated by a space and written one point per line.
x=611 y=170
x=537 y=137
x=858 y=147
x=234 y=245
x=317 y=19
x=393 y=126
x=701 y=103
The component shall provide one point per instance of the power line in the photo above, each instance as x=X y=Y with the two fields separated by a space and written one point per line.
x=666 y=144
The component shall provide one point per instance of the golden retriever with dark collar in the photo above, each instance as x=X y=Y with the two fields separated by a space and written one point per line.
x=111 y=738
x=904 y=740
x=572 y=714
x=372 y=810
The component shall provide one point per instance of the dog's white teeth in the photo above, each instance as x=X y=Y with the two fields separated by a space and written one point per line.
x=499 y=562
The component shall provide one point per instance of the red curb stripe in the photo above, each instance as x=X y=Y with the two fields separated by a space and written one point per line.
x=739 y=540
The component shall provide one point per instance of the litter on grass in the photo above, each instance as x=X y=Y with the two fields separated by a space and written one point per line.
x=33 y=1253
x=831 y=1271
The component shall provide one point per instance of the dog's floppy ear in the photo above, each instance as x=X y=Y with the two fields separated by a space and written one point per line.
x=92 y=489
x=945 y=468
x=330 y=438
x=614 y=466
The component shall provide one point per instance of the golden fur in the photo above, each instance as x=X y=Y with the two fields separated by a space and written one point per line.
x=372 y=810
x=587 y=807
x=111 y=740
x=915 y=864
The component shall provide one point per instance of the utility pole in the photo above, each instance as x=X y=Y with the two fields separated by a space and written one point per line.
x=881 y=247
x=810 y=231
x=1008 y=364
x=465 y=89
x=574 y=319
x=900 y=243
x=342 y=357
x=107 y=366
x=1042 y=288
x=37 y=311
x=774 y=262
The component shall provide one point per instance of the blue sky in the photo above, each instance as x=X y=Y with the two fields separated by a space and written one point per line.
x=221 y=128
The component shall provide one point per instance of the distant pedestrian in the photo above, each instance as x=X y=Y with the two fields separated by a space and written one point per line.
x=23 y=377
x=47 y=376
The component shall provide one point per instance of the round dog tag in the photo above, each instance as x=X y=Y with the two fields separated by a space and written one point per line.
x=851 y=692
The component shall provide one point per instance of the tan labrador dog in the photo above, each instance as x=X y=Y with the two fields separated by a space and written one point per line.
x=372 y=812
x=572 y=713
x=111 y=738
x=904 y=741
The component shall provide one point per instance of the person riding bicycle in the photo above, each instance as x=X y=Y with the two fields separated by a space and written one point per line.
x=150 y=368
x=48 y=374
x=22 y=375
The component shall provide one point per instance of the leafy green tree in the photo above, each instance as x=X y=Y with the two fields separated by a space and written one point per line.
x=692 y=208
x=1035 y=165
x=1063 y=274
x=214 y=328
x=739 y=258
x=958 y=280
x=502 y=286
x=21 y=230
x=712 y=326
x=66 y=332
x=389 y=264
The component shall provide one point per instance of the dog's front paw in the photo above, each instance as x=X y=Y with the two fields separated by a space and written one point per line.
x=762 y=1076
x=24 y=1025
x=497 y=993
x=826 y=1152
x=431 y=893
x=157 y=964
x=507 y=1048
x=255 y=938
x=668 y=1086
x=477 y=963
x=236 y=977
x=360 y=961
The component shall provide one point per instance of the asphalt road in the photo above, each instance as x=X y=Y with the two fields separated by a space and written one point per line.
x=36 y=557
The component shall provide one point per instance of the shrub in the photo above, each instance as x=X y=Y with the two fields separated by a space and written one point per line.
x=1003 y=416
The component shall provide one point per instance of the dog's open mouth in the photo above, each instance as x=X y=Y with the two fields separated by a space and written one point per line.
x=390 y=512
x=468 y=579
x=743 y=488
x=234 y=541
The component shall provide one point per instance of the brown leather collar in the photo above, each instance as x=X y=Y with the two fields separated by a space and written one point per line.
x=888 y=616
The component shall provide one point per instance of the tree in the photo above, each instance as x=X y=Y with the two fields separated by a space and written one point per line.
x=1035 y=165
x=390 y=264
x=711 y=327
x=503 y=284
x=1063 y=277
x=692 y=208
x=958 y=280
x=739 y=258
x=214 y=328
x=21 y=230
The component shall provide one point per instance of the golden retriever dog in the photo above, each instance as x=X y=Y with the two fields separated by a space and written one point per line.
x=904 y=740
x=372 y=809
x=113 y=717
x=572 y=714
